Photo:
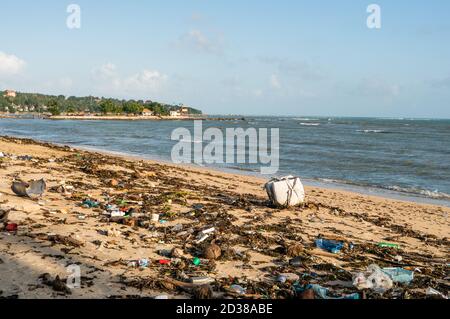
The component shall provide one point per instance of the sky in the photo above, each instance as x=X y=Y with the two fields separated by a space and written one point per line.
x=253 y=57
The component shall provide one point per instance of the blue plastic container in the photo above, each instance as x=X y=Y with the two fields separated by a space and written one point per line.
x=331 y=246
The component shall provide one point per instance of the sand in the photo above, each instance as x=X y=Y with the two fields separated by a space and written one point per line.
x=233 y=204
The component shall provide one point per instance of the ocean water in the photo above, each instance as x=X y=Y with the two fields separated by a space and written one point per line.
x=394 y=156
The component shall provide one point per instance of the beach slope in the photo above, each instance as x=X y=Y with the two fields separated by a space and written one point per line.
x=68 y=225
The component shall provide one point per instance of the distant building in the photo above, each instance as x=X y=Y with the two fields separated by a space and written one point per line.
x=175 y=113
x=10 y=93
x=184 y=110
x=146 y=112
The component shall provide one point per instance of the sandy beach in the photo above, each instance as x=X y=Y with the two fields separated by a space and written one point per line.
x=256 y=241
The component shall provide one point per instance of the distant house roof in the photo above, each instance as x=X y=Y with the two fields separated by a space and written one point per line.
x=10 y=93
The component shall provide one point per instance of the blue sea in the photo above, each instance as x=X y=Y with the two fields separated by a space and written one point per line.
x=390 y=157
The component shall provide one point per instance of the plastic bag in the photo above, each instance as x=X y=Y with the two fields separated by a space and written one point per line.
x=373 y=278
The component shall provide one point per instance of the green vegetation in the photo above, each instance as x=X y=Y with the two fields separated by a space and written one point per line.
x=57 y=105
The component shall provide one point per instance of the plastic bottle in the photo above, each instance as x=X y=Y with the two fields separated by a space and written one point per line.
x=196 y=261
x=389 y=245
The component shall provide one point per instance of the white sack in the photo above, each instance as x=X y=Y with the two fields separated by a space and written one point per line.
x=286 y=191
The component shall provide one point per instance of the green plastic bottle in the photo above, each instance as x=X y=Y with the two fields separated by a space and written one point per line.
x=389 y=245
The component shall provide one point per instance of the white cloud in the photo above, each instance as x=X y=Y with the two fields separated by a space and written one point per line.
x=275 y=82
x=295 y=69
x=145 y=80
x=197 y=40
x=144 y=83
x=10 y=64
x=107 y=70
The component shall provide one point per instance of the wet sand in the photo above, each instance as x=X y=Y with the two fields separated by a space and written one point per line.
x=257 y=241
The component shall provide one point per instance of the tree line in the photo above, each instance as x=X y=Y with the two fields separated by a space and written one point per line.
x=60 y=104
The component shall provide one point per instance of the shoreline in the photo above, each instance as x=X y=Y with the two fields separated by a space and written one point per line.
x=337 y=186
x=257 y=241
x=122 y=118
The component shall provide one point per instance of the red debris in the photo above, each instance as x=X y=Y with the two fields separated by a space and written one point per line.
x=11 y=227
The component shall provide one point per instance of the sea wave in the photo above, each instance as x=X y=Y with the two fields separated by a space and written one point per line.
x=413 y=191
x=188 y=141
x=372 y=131
x=436 y=194
x=305 y=119
x=310 y=124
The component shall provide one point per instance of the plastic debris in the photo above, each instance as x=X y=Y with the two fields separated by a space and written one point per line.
x=140 y=263
x=88 y=203
x=323 y=292
x=238 y=289
x=331 y=246
x=143 y=263
x=374 y=278
x=296 y=262
x=33 y=189
x=281 y=279
x=202 y=239
x=177 y=227
x=117 y=214
x=288 y=277
x=388 y=245
x=196 y=261
x=11 y=227
x=25 y=157
x=433 y=292
x=201 y=280
x=208 y=231
x=399 y=275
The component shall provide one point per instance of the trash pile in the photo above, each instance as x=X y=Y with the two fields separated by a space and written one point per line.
x=199 y=222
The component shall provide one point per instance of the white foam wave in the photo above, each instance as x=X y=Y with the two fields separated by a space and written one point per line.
x=310 y=124
x=371 y=131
